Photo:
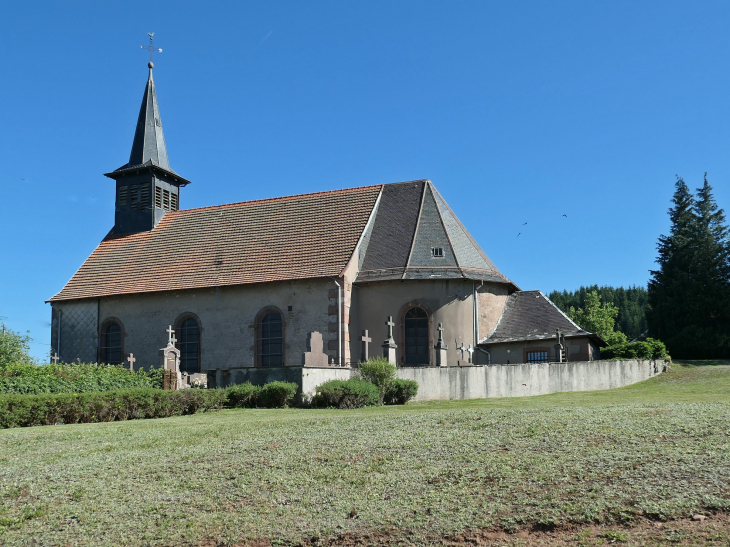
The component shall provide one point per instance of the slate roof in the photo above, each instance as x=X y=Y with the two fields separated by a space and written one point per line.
x=294 y=237
x=412 y=219
x=148 y=147
x=530 y=315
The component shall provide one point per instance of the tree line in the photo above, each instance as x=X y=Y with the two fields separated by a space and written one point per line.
x=687 y=302
x=631 y=303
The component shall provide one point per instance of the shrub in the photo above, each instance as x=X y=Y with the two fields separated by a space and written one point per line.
x=380 y=372
x=649 y=349
x=277 y=394
x=70 y=408
x=400 y=392
x=14 y=347
x=242 y=395
x=352 y=393
x=271 y=395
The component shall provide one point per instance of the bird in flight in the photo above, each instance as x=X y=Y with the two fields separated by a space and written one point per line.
x=525 y=224
x=566 y=216
x=518 y=235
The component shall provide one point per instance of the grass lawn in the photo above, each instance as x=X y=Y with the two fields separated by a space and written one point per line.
x=658 y=450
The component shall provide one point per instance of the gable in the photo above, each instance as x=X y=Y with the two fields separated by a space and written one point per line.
x=412 y=221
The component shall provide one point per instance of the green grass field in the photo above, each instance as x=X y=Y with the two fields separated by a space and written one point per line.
x=659 y=449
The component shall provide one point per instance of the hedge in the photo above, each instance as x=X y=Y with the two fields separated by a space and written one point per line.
x=649 y=349
x=27 y=378
x=109 y=406
x=271 y=395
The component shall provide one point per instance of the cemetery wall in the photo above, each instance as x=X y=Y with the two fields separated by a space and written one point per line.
x=482 y=382
x=522 y=380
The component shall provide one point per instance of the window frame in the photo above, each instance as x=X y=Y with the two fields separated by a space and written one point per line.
x=177 y=325
x=528 y=351
x=258 y=336
x=101 y=345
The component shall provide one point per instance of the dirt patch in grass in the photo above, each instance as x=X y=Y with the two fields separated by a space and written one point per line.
x=713 y=530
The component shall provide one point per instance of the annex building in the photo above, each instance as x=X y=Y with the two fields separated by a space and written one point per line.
x=312 y=280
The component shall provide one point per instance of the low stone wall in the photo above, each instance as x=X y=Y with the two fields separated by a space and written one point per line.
x=482 y=382
x=470 y=382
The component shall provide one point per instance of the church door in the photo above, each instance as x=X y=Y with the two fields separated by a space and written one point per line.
x=416 y=347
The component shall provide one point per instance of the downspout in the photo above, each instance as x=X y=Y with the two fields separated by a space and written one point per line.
x=339 y=322
x=58 y=335
x=475 y=314
x=488 y=353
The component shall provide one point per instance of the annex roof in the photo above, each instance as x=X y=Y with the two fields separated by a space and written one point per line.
x=530 y=315
x=294 y=237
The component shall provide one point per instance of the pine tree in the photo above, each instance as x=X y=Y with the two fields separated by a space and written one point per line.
x=690 y=292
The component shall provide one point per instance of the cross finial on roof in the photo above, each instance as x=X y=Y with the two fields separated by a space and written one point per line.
x=151 y=48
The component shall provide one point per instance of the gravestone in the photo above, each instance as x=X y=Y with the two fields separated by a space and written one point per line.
x=440 y=347
x=315 y=355
x=389 y=346
x=131 y=359
x=170 y=362
x=55 y=358
x=461 y=349
x=471 y=354
x=365 y=355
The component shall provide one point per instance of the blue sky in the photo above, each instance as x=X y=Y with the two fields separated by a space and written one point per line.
x=517 y=111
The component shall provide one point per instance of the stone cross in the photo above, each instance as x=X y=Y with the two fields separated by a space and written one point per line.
x=440 y=347
x=55 y=358
x=461 y=349
x=131 y=360
x=389 y=346
x=471 y=353
x=365 y=342
x=440 y=341
x=171 y=336
x=390 y=324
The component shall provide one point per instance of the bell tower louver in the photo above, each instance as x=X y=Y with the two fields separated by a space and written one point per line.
x=146 y=186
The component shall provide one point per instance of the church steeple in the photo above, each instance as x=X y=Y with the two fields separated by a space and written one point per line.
x=146 y=185
x=149 y=140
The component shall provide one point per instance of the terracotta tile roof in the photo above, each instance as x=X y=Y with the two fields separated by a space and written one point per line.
x=293 y=237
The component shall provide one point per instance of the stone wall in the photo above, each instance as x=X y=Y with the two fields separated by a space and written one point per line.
x=473 y=382
x=481 y=382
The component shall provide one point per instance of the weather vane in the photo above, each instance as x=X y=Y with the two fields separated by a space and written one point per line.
x=151 y=48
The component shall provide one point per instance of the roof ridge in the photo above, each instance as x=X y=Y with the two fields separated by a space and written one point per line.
x=279 y=198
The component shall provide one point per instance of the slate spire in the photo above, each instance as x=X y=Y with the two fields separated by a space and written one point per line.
x=146 y=187
x=149 y=140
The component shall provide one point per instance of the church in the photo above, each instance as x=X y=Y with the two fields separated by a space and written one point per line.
x=259 y=289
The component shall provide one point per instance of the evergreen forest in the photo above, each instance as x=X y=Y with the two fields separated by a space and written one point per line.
x=631 y=303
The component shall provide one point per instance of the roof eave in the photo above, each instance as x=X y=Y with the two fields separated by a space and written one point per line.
x=126 y=171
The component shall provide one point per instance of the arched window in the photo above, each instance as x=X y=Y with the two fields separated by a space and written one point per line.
x=111 y=343
x=416 y=337
x=270 y=340
x=188 y=342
